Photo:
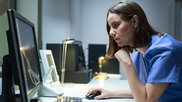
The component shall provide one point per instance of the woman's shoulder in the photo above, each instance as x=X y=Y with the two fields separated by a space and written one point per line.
x=161 y=44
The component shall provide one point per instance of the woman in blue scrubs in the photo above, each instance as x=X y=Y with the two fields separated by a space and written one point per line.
x=155 y=71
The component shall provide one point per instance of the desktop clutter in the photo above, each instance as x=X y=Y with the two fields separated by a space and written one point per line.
x=72 y=58
x=22 y=66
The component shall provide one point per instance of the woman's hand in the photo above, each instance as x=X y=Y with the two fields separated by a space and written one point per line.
x=123 y=56
x=104 y=93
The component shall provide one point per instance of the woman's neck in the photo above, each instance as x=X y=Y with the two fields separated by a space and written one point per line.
x=142 y=50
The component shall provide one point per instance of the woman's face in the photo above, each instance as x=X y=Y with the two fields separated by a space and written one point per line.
x=121 y=31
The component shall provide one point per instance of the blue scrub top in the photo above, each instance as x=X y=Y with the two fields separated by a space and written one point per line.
x=162 y=63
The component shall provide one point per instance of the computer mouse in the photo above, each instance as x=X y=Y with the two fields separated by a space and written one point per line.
x=92 y=95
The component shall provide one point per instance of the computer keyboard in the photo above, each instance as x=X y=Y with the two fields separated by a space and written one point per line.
x=68 y=99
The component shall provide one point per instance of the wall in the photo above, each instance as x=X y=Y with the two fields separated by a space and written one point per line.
x=4 y=5
x=94 y=17
x=75 y=19
x=55 y=21
x=85 y=20
x=178 y=22
x=29 y=9
x=93 y=22
x=3 y=39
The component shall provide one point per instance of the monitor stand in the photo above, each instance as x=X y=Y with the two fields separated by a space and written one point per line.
x=50 y=87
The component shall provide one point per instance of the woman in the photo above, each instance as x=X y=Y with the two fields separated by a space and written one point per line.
x=155 y=72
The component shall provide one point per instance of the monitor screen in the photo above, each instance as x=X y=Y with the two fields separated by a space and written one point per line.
x=25 y=51
x=95 y=51
x=29 y=58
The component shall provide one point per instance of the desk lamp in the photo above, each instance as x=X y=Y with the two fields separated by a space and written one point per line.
x=65 y=42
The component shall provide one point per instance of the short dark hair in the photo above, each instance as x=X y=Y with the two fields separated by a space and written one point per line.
x=142 y=34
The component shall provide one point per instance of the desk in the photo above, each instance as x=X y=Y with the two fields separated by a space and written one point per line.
x=112 y=83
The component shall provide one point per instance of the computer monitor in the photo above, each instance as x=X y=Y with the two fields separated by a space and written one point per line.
x=22 y=62
x=95 y=51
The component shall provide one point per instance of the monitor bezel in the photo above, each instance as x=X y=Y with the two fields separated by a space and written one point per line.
x=12 y=16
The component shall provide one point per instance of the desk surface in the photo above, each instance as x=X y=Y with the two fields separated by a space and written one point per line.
x=80 y=90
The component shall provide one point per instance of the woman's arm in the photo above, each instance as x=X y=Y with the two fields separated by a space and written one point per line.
x=121 y=94
x=148 y=93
